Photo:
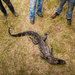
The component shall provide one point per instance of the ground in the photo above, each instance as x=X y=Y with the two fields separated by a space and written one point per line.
x=19 y=56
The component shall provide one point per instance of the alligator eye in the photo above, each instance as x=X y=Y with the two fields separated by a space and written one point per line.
x=61 y=62
x=46 y=57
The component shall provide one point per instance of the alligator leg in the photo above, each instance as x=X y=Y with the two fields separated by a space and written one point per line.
x=42 y=56
x=45 y=36
x=35 y=42
x=51 y=52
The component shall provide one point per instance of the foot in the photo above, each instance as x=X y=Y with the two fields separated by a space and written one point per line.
x=15 y=14
x=69 y=22
x=32 y=21
x=40 y=15
x=55 y=15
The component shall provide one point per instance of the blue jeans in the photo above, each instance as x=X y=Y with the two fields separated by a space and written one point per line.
x=71 y=4
x=33 y=6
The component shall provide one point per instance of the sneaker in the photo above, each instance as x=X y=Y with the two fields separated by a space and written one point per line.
x=55 y=15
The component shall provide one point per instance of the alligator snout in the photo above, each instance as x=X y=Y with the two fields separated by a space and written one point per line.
x=60 y=61
x=56 y=61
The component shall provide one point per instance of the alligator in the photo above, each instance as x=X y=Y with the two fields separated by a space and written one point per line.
x=45 y=52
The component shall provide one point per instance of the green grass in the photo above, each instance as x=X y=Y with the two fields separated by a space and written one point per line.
x=19 y=56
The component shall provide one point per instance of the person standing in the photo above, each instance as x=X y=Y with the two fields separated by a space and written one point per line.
x=33 y=7
x=9 y=4
x=71 y=4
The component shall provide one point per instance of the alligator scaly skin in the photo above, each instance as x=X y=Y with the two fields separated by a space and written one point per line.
x=45 y=52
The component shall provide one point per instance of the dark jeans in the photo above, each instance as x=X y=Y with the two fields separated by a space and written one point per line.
x=9 y=4
x=71 y=4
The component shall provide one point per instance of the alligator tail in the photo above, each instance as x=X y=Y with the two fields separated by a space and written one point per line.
x=34 y=34
x=14 y=35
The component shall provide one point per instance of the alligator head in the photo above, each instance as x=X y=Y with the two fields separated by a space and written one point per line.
x=55 y=61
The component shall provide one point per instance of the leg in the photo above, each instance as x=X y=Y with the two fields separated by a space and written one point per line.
x=61 y=4
x=9 y=4
x=59 y=9
x=51 y=52
x=3 y=9
x=32 y=9
x=35 y=42
x=70 y=11
x=39 y=7
x=45 y=37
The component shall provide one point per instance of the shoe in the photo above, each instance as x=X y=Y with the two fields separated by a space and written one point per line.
x=40 y=15
x=15 y=14
x=69 y=22
x=32 y=21
x=55 y=15
x=5 y=16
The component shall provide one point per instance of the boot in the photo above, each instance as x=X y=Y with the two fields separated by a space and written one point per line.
x=40 y=15
x=69 y=22
x=55 y=15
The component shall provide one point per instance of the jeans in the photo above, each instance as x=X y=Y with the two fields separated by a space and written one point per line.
x=9 y=4
x=71 y=4
x=33 y=6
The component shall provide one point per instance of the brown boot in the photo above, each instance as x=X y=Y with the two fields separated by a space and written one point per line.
x=69 y=22
x=55 y=15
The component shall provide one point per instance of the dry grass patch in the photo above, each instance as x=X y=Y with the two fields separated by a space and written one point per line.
x=19 y=56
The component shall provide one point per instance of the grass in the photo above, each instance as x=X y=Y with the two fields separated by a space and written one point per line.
x=19 y=56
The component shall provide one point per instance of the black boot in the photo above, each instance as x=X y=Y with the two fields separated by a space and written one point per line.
x=69 y=22
x=54 y=15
